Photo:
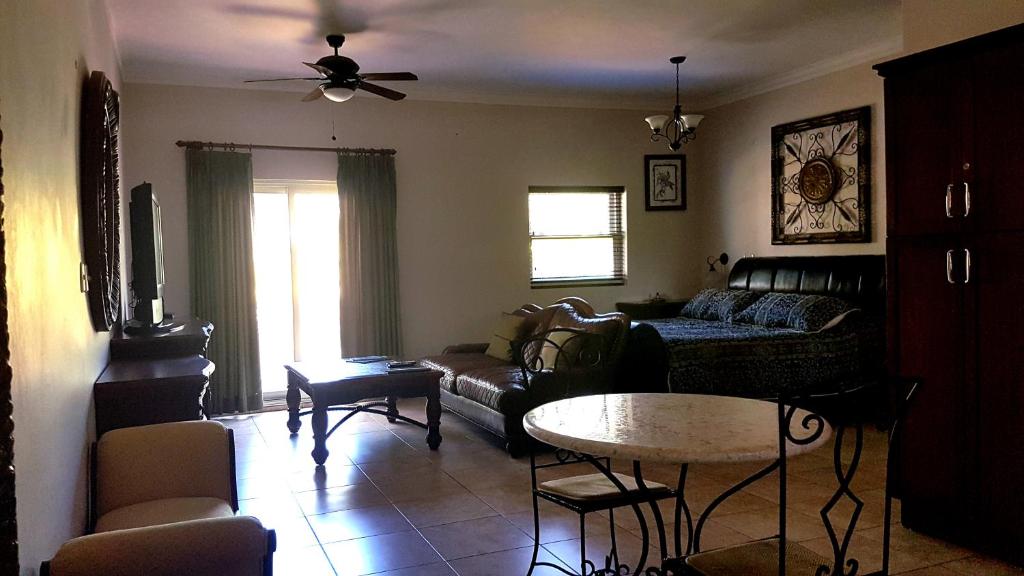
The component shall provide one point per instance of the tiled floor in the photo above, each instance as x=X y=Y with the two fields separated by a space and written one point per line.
x=385 y=504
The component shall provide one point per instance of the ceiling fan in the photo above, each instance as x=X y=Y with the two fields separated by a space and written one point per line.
x=340 y=78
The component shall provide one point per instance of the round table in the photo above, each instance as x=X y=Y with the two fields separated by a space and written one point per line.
x=678 y=429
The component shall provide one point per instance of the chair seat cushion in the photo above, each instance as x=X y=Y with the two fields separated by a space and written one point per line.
x=164 y=511
x=596 y=487
x=499 y=388
x=455 y=364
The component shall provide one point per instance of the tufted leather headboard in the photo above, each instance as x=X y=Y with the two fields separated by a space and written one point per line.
x=860 y=279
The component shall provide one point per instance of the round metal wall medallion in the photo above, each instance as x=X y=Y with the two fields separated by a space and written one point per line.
x=817 y=181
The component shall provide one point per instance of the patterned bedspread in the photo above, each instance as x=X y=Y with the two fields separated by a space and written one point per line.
x=711 y=357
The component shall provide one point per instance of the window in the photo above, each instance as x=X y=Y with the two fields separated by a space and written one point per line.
x=577 y=236
x=295 y=252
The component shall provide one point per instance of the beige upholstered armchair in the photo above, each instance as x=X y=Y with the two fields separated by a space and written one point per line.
x=163 y=501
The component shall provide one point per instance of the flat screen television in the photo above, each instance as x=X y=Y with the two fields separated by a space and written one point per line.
x=147 y=261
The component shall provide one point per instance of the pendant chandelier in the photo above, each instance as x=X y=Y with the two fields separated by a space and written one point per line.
x=679 y=128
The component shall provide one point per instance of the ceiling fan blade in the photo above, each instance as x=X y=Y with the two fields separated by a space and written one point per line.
x=321 y=69
x=381 y=91
x=390 y=76
x=282 y=79
x=316 y=93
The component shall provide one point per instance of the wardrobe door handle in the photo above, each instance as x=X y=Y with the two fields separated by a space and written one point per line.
x=967 y=201
x=967 y=265
x=949 y=267
x=949 y=200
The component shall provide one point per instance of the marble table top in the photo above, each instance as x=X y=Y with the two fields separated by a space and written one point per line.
x=672 y=428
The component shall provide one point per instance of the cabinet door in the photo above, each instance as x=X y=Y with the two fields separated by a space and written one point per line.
x=926 y=332
x=998 y=160
x=996 y=308
x=924 y=125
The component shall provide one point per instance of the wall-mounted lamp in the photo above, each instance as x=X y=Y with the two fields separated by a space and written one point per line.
x=722 y=259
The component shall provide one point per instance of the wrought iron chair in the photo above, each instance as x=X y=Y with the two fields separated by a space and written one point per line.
x=578 y=358
x=740 y=558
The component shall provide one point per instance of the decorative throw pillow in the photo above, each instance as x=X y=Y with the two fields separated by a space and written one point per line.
x=718 y=304
x=507 y=330
x=804 y=312
x=559 y=340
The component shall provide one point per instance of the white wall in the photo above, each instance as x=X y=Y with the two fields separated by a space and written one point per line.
x=732 y=163
x=731 y=160
x=463 y=173
x=930 y=23
x=46 y=49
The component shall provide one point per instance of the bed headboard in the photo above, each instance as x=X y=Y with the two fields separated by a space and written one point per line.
x=860 y=279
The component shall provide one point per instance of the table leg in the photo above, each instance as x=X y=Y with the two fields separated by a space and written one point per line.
x=319 y=422
x=434 y=419
x=392 y=408
x=294 y=399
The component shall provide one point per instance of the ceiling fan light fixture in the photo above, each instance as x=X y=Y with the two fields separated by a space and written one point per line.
x=678 y=128
x=337 y=93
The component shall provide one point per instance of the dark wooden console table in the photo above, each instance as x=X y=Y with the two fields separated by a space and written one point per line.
x=151 y=391
x=155 y=378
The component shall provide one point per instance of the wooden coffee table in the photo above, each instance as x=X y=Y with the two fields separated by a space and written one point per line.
x=353 y=387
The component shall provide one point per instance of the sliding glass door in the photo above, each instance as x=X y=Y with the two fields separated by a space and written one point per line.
x=295 y=246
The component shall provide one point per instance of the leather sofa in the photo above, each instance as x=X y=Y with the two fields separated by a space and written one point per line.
x=495 y=394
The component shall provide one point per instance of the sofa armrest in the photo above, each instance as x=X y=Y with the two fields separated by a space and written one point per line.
x=234 y=546
x=477 y=347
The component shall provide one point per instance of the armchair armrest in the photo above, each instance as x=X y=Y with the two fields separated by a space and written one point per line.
x=235 y=546
x=478 y=347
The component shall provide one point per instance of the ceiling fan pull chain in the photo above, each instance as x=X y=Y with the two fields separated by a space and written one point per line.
x=333 y=137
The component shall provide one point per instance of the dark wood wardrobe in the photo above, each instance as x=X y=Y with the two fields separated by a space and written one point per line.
x=954 y=139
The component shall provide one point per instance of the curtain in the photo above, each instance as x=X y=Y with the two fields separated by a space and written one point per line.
x=221 y=274
x=369 y=259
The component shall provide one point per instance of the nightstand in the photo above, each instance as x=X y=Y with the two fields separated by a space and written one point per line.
x=648 y=310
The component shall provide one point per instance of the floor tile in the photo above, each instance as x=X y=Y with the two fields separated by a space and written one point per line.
x=432 y=484
x=444 y=510
x=358 y=523
x=302 y=562
x=380 y=553
x=322 y=477
x=473 y=503
x=438 y=569
x=475 y=537
x=293 y=533
x=339 y=498
x=506 y=563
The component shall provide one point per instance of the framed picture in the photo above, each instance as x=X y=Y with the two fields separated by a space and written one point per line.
x=821 y=179
x=665 y=181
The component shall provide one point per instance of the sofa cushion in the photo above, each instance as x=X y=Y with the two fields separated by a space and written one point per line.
x=499 y=388
x=165 y=511
x=454 y=364
x=508 y=328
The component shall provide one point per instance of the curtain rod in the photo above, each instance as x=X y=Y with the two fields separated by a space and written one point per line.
x=231 y=146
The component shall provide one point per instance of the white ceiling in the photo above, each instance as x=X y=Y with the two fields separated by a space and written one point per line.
x=603 y=53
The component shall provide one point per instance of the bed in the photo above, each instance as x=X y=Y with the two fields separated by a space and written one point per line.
x=750 y=360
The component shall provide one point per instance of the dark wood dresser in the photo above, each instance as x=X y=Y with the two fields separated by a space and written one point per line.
x=955 y=246
x=154 y=379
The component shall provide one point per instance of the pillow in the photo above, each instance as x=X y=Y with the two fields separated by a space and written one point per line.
x=507 y=330
x=549 y=353
x=803 y=312
x=718 y=304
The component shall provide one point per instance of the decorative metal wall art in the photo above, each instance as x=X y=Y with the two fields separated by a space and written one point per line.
x=821 y=179
x=8 y=504
x=665 y=182
x=100 y=190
